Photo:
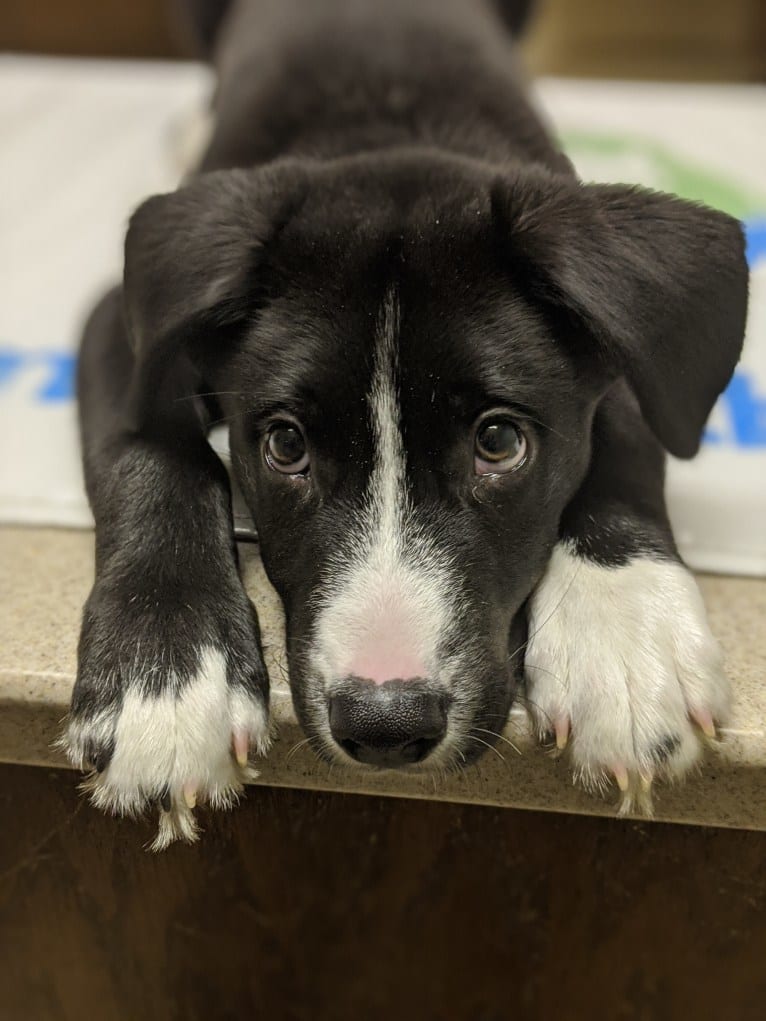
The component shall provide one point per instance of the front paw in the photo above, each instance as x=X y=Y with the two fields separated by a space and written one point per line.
x=622 y=667
x=166 y=709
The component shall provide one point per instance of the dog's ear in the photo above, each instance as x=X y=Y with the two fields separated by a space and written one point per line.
x=192 y=260
x=657 y=283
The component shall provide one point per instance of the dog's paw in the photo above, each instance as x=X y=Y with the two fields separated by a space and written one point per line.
x=168 y=714
x=621 y=666
x=185 y=745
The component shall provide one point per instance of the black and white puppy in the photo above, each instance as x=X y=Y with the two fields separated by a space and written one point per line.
x=450 y=370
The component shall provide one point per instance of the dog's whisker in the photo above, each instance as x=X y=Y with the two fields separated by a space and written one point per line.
x=500 y=737
x=542 y=669
x=231 y=418
x=209 y=393
x=473 y=737
x=564 y=594
x=296 y=748
x=548 y=428
x=278 y=661
x=537 y=630
x=529 y=702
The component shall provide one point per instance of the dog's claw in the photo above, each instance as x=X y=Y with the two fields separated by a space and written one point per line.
x=621 y=776
x=190 y=794
x=240 y=747
x=561 y=727
x=645 y=795
x=704 y=720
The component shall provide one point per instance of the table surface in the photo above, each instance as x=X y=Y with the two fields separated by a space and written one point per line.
x=45 y=577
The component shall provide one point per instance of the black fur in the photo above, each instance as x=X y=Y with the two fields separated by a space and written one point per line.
x=361 y=147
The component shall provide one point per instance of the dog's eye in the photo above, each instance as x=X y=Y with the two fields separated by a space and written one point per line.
x=500 y=445
x=286 y=449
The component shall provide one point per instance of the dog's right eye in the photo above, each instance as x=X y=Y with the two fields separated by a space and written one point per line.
x=500 y=446
x=285 y=449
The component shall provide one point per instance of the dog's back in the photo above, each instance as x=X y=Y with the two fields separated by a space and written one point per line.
x=334 y=77
x=204 y=18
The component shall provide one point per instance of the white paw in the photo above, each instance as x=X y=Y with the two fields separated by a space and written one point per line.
x=185 y=746
x=620 y=662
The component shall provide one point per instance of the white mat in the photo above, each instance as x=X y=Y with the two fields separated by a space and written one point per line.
x=84 y=142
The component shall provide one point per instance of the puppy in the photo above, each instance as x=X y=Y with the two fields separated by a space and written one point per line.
x=450 y=370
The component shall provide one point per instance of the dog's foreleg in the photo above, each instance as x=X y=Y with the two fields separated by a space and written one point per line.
x=621 y=665
x=171 y=692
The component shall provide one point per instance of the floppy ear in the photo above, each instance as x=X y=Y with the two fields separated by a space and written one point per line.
x=191 y=266
x=658 y=283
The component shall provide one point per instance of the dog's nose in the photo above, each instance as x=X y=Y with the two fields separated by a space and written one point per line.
x=393 y=724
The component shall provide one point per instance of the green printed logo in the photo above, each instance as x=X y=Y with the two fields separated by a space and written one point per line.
x=616 y=157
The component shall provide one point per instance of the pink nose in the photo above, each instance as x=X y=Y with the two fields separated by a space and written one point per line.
x=386 y=664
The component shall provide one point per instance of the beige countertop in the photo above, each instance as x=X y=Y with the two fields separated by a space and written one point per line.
x=45 y=575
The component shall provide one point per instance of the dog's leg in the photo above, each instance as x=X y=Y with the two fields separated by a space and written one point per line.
x=621 y=664
x=171 y=688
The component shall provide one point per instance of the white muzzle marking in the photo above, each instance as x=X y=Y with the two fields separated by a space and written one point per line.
x=389 y=614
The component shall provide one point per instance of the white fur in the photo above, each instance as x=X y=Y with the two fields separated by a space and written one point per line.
x=380 y=596
x=625 y=655
x=181 y=737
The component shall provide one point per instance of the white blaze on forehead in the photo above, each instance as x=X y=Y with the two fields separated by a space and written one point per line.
x=385 y=613
x=388 y=484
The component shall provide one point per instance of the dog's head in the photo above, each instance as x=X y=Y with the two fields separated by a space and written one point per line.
x=409 y=351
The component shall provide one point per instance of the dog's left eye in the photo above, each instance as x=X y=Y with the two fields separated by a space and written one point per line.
x=500 y=445
x=286 y=449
